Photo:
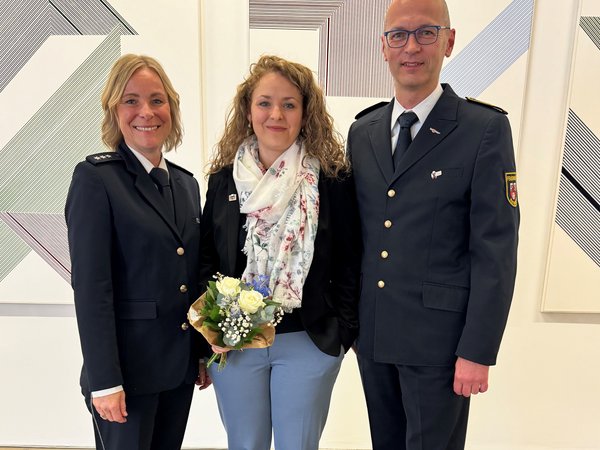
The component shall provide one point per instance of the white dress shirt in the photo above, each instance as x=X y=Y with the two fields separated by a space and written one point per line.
x=422 y=110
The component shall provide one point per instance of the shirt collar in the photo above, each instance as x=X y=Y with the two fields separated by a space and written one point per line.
x=148 y=166
x=422 y=110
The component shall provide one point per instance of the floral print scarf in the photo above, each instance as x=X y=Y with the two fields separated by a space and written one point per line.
x=282 y=211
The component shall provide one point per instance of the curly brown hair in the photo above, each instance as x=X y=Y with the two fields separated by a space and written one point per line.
x=119 y=76
x=318 y=134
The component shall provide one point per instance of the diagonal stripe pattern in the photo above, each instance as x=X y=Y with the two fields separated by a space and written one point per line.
x=289 y=14
x=37 y=163
x=578 y=209
x=356 y=67
x=27 y=24
x=492 y=51
x=46 y=234
x=591 y=26
x=349 y=31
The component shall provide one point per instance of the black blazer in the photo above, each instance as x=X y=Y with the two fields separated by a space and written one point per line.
x=444 y=285
x=329 y=301
x=134 y=274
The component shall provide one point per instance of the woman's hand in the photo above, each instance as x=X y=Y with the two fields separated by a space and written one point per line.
x=203 y=381
x=111 y=407
x=217 y=349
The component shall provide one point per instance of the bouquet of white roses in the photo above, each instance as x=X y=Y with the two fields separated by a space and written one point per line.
x=236 y=315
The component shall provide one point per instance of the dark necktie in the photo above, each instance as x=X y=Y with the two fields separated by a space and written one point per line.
x=161 y=179
x=406 y=120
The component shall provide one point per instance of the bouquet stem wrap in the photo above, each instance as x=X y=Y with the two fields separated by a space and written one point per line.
x=263 y=337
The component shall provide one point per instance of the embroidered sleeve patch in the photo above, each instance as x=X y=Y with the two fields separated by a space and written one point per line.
x=511 y=188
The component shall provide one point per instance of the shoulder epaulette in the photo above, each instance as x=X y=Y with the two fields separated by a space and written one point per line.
x=181 y=168
x=369 y=109
x=99 y=158
x=487 y=105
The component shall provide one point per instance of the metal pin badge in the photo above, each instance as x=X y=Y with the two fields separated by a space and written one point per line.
x=436 y=174
x=434 y=131
x=232 y=197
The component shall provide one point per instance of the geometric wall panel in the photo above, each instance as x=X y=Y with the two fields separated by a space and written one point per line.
x=341 y=26
x=573 y=270
x=578 y=208
x=591 y=27
x=37 y=162
x=492 y=51
x=350 y=49
x=46 y=234
x=26 y=24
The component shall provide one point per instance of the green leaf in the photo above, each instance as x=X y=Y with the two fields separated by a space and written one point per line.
x=211 y=325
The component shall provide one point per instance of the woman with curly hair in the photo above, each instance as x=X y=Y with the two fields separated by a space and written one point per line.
x=281 y=204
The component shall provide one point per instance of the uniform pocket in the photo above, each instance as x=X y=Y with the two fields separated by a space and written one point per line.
x=445 y=297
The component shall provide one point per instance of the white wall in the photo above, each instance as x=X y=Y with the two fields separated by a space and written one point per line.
x=544 y=392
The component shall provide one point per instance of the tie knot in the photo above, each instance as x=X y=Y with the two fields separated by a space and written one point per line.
x=407 y=119
x=159 y=176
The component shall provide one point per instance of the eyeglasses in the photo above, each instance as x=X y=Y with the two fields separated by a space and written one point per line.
x=424 y=35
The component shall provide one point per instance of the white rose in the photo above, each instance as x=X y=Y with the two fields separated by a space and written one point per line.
x=250 y=301
x=229 y=286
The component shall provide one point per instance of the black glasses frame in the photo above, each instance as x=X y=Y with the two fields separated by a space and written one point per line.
x=414 y=33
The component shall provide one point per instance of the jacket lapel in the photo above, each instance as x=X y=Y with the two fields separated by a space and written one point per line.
x=380 y=136
x=233 y=222
x=439 y=124
x=144 y=185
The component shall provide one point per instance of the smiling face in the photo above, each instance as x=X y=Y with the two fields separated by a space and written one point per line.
x=276 y=115
x=416 y=68
x=144 y=113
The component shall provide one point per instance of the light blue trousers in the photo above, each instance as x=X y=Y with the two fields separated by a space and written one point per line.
x=284 y=389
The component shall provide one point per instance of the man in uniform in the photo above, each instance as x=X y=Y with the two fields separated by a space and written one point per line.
x=434 y=176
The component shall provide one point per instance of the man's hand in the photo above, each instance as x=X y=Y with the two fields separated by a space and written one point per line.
x=470 y=377
x=111 y=407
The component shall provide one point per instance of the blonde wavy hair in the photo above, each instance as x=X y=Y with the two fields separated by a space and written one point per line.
x=318 y=135
x=119 y=76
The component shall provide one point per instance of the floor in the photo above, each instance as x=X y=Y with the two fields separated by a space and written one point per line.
x=73 y=448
